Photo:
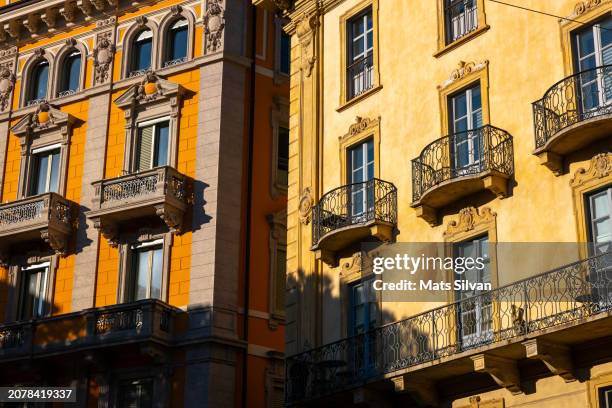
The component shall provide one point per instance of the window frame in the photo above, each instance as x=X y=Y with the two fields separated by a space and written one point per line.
x=279 y=117
x=359 y=132
x=607 y=191
x=174 y=14
x=158 y=236
x=33 y=173
x=279 y=75
x=144 y=124
x=277 y=223
x=29 y=89
x=61 y=57
x=129 y=40
x=345 y=20
x=23 y=296
x=443 y=45
x=132 y=272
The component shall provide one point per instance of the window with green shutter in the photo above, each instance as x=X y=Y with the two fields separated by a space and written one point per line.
x=152 y=146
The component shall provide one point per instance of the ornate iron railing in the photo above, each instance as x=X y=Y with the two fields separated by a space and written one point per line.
x=582 y=96
x=174 y=62
x=462 y=154
x=564 y=295
x=11 y=337
x=43 y=207
x=160 y=180
x=354 y=204
x=461 y=18
x=360 y=76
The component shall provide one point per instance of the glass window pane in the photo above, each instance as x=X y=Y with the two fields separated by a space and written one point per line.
x=285 y=53
x=40 y=79
x=142 y=51
x=156 y=275
x=283 y=149
x=586 y=44
x=606 y=32
x=179 y=43
x=54 y=174
x=161 y=145
x=460 y=105
x=142 y=275
x=74 y=72
x=601 y=205
x=42 y=169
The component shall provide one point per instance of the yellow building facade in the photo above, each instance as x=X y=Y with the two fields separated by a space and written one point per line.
x=463 y=123
x=143 y=182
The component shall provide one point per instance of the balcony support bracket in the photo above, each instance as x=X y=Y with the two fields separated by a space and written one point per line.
x=382 y=231
x=427 y=213
x=108 y=231
x=422 y=390
x=171 y=216
x=363 y=397
x=556 y=357
x=328 y=257
x=503 y=371
x=497 y=184
x=552 y=161
x=56 y=240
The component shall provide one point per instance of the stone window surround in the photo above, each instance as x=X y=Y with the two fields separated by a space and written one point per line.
x=443 y=47
x=594 y=384
x=472 y=223
x=36 y=139
x=160 y=36
x=55 y=68
x=586 y=181
x=363 y=129
x=278 y=237
x=583 y=14
x=279 y=117
x=15 y=282
x=466 y=75
x=344 y=19
x=125 y=259
x=279 y=77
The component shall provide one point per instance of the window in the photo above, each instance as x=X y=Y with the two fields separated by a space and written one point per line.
x=39 y=81
x=594 y=49
x=135 y=393
x=71 y=74
x=599 y=206
x=282 y=158
x=475 y=308
x=152 y=145
x=363 y=317
x=45 y=170
x=33 y=291
x=461 y=18
x=605 y=397
x=145 y=276
x=360 y=171
x=466 y=116
x=176 y=51
x=285 y=53
x=360 y=63
x=141 y=53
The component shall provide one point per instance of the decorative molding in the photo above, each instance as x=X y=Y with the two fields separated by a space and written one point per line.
x=600 y=167
x=361 y=125
x=463 y=69
x=7 y=84
x=306 y=27
x=361 y=130
x=46 y=117
x=468 y=219
x=214 y=24
x=9 y=52
x=103 y=57
x=151 y=88
x=476 y=402
x=585 y=6
x=56 y=240
x=352 y=265
x=106 y=22
x=305 y=206
x=171 y=216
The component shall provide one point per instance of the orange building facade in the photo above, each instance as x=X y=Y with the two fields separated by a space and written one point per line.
x=143 y=182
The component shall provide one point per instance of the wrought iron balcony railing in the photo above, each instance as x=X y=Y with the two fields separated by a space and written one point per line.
x=540 y=303
x=45 y=216
x=462 y=154
x=461 y=18
x=360 y=76
x=145 y=320
x=354 y=204
x=579 y=97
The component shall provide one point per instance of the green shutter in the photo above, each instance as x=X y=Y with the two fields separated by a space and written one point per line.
x=145 y=149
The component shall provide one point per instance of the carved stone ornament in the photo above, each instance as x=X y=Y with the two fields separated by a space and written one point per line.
x=305 y=206
x=108 y=231
x=103 y=57
x=56 y=240
x=464 y=69
x=46 y=117
x=351 y=265
x=106 y=22
x=305 y=28
x=468 y=219
x=176 y=10
x=171 y=216
x=282 y=4
x=214 y=23
x=7 y=84
x=361 y=125
x=587 y=5
x=150 y=89
x=600 y=166
x=9 y=52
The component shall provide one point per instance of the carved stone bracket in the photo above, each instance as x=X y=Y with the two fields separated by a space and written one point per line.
x=422 y=390
x=305 y=28
x=171 y=216
x=214 y=24
x=108 y=231
x=556 y=357
x=57 y=240
x=503 y=371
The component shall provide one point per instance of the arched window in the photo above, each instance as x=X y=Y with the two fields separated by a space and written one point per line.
x=176 y=45
x=39 y=80
x=141 y=52
x=71 y=74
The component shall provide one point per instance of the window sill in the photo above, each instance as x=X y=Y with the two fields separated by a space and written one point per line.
x=358 y=98
x=464 y=39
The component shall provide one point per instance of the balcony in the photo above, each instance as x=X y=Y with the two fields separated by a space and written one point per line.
x=162 y=192
x=145 y=321
x=573 y=113
x=459 y=165
x=540 y=318
x=46 y=217
x=351 y=213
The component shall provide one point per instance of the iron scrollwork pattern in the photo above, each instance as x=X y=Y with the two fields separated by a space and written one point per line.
x=118 y=321
x=567 y=294
x=354 y=204
x=579 y=97
x=130 y=188
x=472 y=152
